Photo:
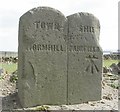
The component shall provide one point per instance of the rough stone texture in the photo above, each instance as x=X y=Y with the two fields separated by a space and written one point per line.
x=42 y=58
x=60 y=60
x=84 y=58
x=115 y=68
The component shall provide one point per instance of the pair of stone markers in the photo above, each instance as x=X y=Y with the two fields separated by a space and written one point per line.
x=60 y=59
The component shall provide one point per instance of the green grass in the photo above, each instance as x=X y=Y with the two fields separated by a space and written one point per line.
x=109 y=62
x=9 y=67
x=115 y=86
x=42 y=108
x=13 y=67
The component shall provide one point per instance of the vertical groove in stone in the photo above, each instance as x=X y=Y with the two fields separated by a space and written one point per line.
x=67 y=59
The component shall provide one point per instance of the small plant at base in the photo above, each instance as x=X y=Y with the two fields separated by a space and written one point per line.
x=43 y=108
x=1 y=77
x=115 y=86
x=13 y=78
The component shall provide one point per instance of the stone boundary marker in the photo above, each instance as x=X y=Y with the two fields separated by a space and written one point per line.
x=60 y=60
x=84 y=58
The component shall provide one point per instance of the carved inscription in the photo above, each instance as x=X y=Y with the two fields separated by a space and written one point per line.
x=92 y=67
x=47 y=25
x=45 y=47
x=79 y=48
x=86 y=29
x=33 y=71
x=77 y=37
x=73 y=48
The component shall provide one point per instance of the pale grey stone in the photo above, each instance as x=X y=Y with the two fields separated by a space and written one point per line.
x=42 y=64
x=60 y=59
x=84 y=58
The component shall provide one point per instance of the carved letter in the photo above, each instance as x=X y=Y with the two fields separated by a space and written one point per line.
x=49 y=26
x=57 y=26
x=43 y=25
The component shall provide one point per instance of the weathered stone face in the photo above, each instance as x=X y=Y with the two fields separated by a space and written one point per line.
x=84 y=58
x=60 y=60
x=42 y=58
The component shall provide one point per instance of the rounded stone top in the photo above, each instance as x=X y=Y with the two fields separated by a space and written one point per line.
x=86 y=18
x=41 y=9
x=82 y=14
